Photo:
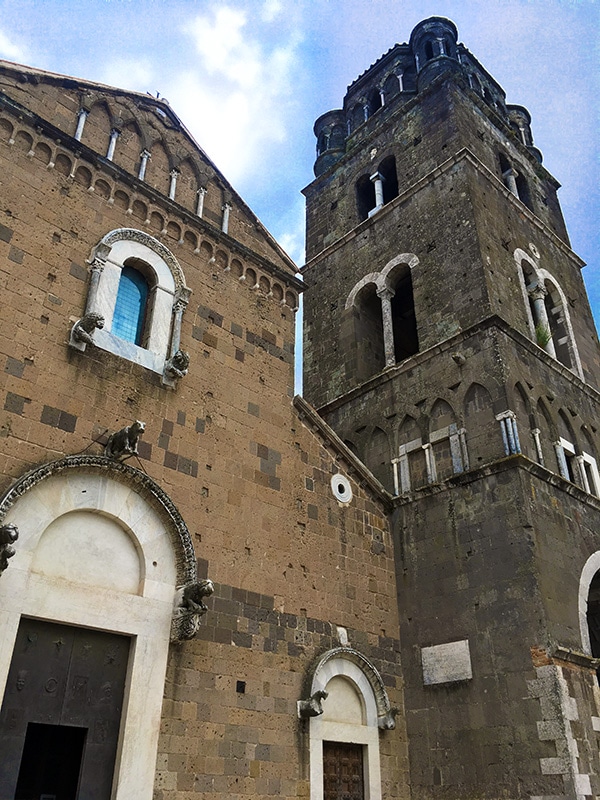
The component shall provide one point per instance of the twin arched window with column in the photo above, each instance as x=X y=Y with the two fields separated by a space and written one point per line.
x=138 y=288
x=382 y=310
x=547 y=311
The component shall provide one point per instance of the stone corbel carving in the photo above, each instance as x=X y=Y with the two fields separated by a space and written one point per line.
x=177 y=366
x=124 y=443
x=387 y=722
x=8 y=536
x=313 y=707
x=189 y=609
x=82 y=332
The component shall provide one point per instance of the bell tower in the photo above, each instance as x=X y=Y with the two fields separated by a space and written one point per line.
x=449 y=342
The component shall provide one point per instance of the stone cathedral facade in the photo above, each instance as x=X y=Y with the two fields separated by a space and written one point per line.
x=210 y=588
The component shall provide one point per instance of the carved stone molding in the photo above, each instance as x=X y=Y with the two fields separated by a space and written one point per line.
x=185 y=557
x=385 y=713
x=135 y=235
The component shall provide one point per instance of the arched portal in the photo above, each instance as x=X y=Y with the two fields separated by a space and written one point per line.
x=100 y=555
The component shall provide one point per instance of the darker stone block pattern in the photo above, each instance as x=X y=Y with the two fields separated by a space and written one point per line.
x=249 y=620
x=57 y=418
x=15 y=403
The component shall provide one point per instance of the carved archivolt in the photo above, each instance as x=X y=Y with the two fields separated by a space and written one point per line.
x=185 y=559
x=134 y=235
x=329 y=665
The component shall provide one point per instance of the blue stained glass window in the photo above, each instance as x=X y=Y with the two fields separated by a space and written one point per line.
x=130 y=308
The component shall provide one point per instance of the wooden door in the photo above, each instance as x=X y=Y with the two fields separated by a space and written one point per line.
x=342 y=771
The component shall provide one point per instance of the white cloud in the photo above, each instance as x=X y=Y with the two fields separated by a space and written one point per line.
x=271 y=10
x=291 y=237
x=129 y=73
x=12 y=51
x=235 y=101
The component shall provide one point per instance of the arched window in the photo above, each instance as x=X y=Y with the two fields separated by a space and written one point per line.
x=429 y=50
x=365 y=196
x=406 y=341
x=385 y=325
x=131 y=306
x=523 y=191
x=547 y=312
x=387 y=170
x=138 y=289
x=374 y=101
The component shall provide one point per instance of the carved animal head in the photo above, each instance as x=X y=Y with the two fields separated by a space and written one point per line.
x=181 y=360
x=137 y=428
x=8 y=534
x=96 y=320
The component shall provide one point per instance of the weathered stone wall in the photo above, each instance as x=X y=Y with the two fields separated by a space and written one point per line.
x=489 y=551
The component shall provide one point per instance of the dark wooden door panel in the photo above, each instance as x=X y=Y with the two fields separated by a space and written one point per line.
x=342 y=771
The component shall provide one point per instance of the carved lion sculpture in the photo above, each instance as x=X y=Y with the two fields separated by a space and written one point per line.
x=84 y=328
x=124 y=443
x=177 y=365
x=194 y=594
x=8 y=536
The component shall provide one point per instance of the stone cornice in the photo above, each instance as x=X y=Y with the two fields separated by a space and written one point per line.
x=463 y=155
x=493 y=321
x=518 y=461
x=355 y=466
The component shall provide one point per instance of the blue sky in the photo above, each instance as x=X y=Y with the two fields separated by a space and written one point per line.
x=249 y=77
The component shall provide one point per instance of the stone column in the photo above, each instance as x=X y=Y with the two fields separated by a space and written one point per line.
x=404 y=470
x=200 y=204
x=81 y=118
x=462 y=437
x=580 y=461
x=441 y=46
x=510 y=435
x=114 y=135
x=537 y=293
x=510 y=179
x=225 y=222
x=430 y=463
x=173 y=183
x=382 y=96
x=182 y=298
x=395 y=462
x=96 y=270
x=536 y=433
x=455 y=449
x=562 y=460
x=377 y=180
x=400 y=76
x=385 y=295
x=144 y=156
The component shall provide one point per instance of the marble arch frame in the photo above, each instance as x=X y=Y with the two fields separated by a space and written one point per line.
x=366 y=681
x=144 y=522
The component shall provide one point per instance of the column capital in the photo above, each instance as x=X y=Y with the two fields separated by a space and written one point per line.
x=385 y=293
x=537 y=292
